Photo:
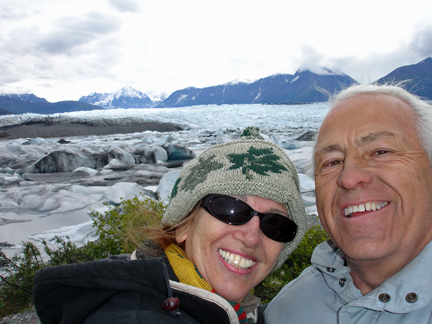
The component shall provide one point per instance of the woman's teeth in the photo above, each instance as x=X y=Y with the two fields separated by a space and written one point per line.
x=236 y=260
x=349 y=211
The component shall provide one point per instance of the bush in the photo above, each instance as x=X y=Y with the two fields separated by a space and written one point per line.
x=16 y=284
x=293 y=266
x=115 y=227
x=115 y=236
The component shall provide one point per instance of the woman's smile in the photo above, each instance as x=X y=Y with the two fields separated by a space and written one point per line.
x=236 y=260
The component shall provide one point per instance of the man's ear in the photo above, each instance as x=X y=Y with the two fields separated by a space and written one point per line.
x=182 y=233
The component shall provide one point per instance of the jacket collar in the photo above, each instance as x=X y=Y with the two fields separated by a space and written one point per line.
x=414 y=281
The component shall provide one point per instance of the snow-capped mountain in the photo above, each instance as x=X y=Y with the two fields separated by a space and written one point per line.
x=25 y=96
x=126 y=97
x=157 y=97
x=302 y=87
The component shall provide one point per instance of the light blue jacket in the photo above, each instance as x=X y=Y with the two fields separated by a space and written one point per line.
x=325 y=294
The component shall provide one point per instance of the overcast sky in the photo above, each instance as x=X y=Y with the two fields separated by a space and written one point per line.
x=64 y=49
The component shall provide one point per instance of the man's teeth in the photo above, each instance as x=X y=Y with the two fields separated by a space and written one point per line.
x=349 y=211
x=236 y=260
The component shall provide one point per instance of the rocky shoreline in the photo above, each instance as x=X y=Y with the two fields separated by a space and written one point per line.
x=48 y=129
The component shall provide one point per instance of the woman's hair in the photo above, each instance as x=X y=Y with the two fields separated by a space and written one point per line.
x=156 y=235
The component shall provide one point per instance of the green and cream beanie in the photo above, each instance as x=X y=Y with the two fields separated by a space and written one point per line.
x=250 y=166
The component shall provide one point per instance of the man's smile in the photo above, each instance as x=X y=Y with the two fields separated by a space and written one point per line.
x=369 y=206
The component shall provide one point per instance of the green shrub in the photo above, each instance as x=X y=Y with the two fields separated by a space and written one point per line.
x=115 y=227
x=114 y=236
x=293 y=266
x=16 y=282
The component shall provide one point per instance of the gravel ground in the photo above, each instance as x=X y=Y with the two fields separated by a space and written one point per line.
x=28 y=317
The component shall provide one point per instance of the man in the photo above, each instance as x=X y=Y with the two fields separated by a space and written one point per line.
x=373 y=178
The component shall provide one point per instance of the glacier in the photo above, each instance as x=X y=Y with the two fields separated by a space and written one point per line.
x=39 y=201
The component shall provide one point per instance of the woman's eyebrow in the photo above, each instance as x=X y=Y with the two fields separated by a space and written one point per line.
x=278 y=211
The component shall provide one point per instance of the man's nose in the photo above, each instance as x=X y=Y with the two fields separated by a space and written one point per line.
x=355 y=173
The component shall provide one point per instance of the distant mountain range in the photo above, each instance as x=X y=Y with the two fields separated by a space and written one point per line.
x=303 y=87
x=26 y=97
x=9 y=104
x=127 y=97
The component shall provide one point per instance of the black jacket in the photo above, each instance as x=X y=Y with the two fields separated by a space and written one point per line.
x=118 y=291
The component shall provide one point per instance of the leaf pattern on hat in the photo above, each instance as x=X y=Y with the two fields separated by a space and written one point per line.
x=260 y=161
x=199 y=172
x=175 y=188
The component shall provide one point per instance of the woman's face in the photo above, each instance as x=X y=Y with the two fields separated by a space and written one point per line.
x=232 y=259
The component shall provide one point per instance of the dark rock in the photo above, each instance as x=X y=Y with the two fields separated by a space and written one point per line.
x=308 y=136
x=6 y=244
x=173 y=165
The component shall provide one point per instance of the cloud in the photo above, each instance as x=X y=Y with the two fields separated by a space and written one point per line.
x=422 y=41
x=75 y=31
x=125 y=5
x=309 y=58
x=10 y=11
x=82 y=46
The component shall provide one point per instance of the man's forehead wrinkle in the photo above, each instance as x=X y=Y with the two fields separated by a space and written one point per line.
x=375 y=136
x=329 y=148
x=369 y=138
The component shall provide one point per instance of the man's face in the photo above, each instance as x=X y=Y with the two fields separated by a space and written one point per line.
x=374 y=180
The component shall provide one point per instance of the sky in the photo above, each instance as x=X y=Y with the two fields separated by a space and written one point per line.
x=65 y=49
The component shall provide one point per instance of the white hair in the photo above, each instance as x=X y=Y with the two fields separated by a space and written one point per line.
x=422 y=111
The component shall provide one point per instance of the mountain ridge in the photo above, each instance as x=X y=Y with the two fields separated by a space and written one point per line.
x=305 y=86
x=10 y=105
x=415 y=78
x=302 y=87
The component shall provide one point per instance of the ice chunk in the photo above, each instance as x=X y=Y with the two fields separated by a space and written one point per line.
x=306 y=183
x=90 y=171
x=118 y=165
x=178 y=152
x=125 y=190
x=160 y=154
x=166 y=185
x=77 y=233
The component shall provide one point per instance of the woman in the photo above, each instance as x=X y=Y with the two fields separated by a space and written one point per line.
x=211 y=250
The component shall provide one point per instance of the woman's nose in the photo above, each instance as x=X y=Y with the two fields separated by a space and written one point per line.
x=249 y=233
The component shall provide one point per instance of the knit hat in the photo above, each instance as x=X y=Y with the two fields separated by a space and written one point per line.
x=250 y=166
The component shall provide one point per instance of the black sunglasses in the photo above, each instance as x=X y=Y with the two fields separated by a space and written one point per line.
x=234 y=211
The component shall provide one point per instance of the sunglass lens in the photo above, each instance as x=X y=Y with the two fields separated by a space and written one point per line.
x=278 y=228
x=230 y=210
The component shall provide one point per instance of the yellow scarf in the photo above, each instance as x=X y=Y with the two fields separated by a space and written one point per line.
x=184 y=269
x=188 y=274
